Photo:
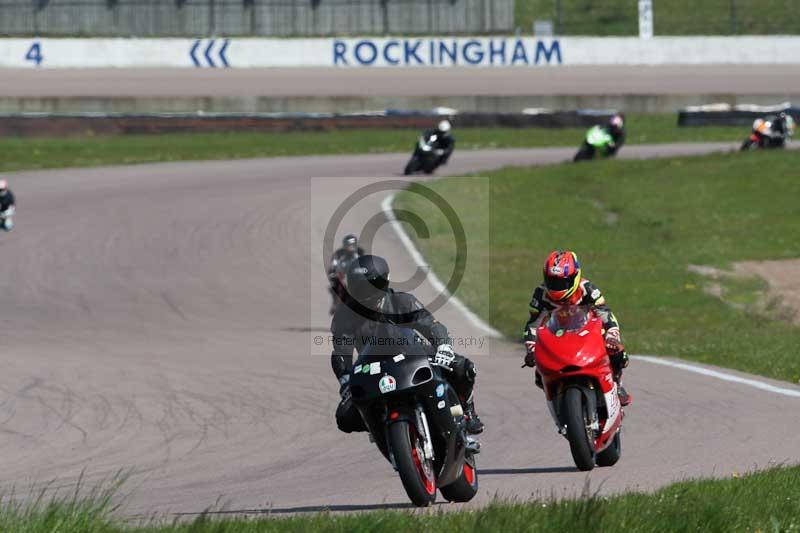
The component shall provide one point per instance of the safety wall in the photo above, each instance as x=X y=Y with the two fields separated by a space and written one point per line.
x=395 y=52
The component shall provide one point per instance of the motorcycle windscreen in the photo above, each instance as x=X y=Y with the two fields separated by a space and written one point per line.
x=384 y=340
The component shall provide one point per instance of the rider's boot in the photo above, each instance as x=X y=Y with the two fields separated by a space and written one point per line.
x=474 y=424
x=624 y=398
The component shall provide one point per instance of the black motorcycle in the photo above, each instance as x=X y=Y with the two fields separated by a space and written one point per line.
x=427 y=157
x=415 y=418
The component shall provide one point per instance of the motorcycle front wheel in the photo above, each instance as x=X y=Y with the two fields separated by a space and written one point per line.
x=416 y=472
x=412 y=166
x=579 y=432
x=585 y=153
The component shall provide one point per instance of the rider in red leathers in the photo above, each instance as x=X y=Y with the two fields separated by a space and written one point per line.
x=563 y=285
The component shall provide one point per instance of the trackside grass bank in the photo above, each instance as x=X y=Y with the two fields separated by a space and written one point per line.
x=671 y=17
x=32 y=153
x=636 y=226
x=765 y=501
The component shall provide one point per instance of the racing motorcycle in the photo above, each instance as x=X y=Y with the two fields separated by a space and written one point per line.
x=597 y=140
x=772 y=132
x=581 y=393
x=416 y=419
x=426 y=157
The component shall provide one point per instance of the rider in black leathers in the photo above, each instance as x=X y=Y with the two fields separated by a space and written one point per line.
x=370 y=301
x=337 y=269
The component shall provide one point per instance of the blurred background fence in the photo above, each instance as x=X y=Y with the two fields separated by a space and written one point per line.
x=671 y=17
x=298 y=18
x=283 y=18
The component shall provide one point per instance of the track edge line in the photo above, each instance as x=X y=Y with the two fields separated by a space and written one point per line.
x=433 y=279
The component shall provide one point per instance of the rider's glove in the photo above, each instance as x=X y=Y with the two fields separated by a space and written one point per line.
x=613 y=341
x=530 y=346
x=444 y=355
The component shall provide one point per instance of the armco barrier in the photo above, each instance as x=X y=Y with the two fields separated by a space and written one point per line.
x=726 y=115
x=396 y=52
x=77 y=124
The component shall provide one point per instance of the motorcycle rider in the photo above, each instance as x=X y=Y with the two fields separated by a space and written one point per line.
x=616 y=129
x=563 y=285
x=444 y=140
x=441 y=142
x=774 y=129
x=337 y=268
x=369 y=303
x=7 y=206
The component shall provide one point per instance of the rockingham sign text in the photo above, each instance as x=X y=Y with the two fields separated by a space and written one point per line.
x=433 y=52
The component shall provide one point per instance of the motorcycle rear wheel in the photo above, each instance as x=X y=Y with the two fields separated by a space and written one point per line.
x=611 y=455
x=466 y=486
x=416 y=472
x=579 y=434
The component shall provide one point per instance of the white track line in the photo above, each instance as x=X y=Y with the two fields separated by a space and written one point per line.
x=719 y=375
x=476 y=321
x=435 y=282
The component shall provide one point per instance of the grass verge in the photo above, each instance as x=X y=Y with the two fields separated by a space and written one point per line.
x=637 y=225
x=764 y=501
x=670 y=17
x=22 y=154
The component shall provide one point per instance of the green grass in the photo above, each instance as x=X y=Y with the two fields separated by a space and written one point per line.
x=636 y=225
x=671 y=17
x=21 y=154
x=765 y=501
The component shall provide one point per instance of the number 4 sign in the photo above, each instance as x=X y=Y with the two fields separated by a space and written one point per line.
x=35 y=53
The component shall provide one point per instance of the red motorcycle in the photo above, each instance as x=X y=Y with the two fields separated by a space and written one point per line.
x=581 y=393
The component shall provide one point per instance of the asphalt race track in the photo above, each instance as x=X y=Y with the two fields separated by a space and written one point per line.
x=777 y=80
x=161 y=318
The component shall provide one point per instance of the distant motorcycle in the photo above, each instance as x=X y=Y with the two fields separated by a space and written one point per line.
x=416 y=420
x=427 y=157
x=579 y=387
x=770 y=132
x=597 y=140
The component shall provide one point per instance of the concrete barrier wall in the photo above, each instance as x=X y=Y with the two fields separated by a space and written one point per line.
x=395 y=52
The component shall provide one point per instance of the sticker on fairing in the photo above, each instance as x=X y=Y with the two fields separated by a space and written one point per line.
x=374 y=368
x=357 y=369
x=365 y=369
x=612 y=405
x=441 y=404
x=399 y=357
x=387 y=384
x=440 y=390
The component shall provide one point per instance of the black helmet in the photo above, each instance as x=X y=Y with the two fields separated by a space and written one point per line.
x=368 y=279
x=350 y=243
